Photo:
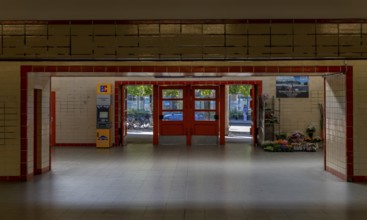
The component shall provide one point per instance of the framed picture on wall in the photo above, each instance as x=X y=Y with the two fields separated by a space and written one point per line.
x=292 y=86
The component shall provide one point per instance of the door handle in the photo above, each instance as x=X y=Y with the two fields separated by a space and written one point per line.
x=216 y=117
x=161 y=117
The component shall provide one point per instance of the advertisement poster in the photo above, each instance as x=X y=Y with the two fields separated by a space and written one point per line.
x=292 y=86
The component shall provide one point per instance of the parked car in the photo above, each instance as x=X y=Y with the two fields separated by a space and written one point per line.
x=173 y=117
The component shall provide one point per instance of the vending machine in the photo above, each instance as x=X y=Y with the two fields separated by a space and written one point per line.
x=104 y=115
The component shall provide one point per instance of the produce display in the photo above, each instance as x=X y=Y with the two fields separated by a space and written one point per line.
x=295 y=142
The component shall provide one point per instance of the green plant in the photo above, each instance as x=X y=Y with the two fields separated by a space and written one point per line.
x=140 y=90
x=240 y=89
x=310 y=130
x=281 y=136
x=233 y=114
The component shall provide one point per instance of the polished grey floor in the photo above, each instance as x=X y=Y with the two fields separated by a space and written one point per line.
x=176 y=182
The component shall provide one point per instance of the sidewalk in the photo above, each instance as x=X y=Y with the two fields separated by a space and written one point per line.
x=239 y=122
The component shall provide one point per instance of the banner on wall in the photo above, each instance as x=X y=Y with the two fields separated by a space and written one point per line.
x=292 y=86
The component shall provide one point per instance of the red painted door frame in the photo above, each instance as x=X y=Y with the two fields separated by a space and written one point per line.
x=222 y=114
x=37 y=128
x=176 y=126
x=155 y=115
x=203 y=127
x=257 y=90
x=52 y=118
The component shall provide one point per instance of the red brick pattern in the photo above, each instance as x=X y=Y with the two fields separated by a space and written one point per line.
x=23 y=122
x=188 y=69
x=336 y=173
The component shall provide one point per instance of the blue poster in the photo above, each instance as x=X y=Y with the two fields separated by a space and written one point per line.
x=292 y=86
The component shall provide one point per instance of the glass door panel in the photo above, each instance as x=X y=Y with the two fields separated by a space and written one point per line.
x=203 y=105
x=205 y=94
x=172 y=111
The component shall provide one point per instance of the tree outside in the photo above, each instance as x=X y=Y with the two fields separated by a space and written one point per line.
x=239 y=102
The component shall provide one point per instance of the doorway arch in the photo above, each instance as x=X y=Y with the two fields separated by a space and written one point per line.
x=53 y=70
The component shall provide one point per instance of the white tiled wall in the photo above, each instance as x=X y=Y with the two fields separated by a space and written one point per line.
x=336 y=123
x=360 y=118
x=76 y=111
x=9 y=120
x=76 y=108
x=296 y=114
x=39 y=81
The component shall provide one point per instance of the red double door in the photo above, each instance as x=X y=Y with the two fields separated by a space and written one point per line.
x=189 y=111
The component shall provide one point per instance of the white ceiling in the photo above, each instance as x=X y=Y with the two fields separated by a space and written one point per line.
x=180 y=9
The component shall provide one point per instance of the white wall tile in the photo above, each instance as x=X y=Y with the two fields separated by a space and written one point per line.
x=335 y=123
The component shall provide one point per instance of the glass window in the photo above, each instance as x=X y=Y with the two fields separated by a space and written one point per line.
x=205 y=105
x=172 y=116
x=172 y=93
x=172 y=105
x=204 y=116
x=204 y=93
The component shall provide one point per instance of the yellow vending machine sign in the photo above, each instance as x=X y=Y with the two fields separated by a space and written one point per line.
x=103 y=138
x=104 y=89
x=104 y=118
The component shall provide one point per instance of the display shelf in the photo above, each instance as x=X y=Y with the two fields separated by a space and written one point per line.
x=268 y=120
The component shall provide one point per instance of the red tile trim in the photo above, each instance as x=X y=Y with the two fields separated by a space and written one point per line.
x=210 y=69
x=235 y=69
x=75 y=69
x=173 y=69
x=285 y=69
x=222 y=107
x=336 y=173
x=198 y=69
x=324 y=123
x=186 y=69
x=159 y=69
x=28 y=177
x=297 y=69
x=10 y=178
x=137 y=69
x=87 y=69
x=38 y=69
x=189 y=21
x=309 y=69
x=81 y=22
x=99 y=69
x=117 y=103
x=349 y=122
x=50 y=69
x=272 y=69
x=321 y=69
x=63 y=69
x=155 y=116
x=112 y=69
x=23 y=122
x=334 y=69
x=43 y=170
x=260 y=69
x=149 y=69
x=360 y=179
x=59 y=22
x=124 y=69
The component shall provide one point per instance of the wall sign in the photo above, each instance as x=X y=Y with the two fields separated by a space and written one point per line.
x=292 y=86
